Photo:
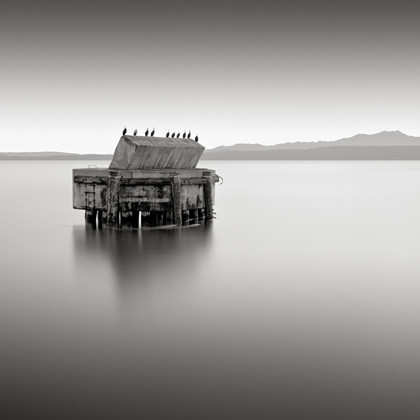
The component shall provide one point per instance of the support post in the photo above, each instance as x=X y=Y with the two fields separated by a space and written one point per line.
x=176 y=198
x=185 y=217
x=167 y=218
x=129 y=219
x=145 y=219
x=159 y=218
x=113 y=194
x=90 y=217
x=194 y=215
x=135 y=219
x=101 y=218
x=208 y=198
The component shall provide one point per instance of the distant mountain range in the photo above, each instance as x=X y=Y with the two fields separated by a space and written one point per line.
x=51 y=156
x=387 y=145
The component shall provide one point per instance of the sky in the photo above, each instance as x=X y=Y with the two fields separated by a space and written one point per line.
x=74 y=74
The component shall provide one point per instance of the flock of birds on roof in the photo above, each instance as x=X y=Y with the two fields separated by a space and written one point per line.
x=168 y=134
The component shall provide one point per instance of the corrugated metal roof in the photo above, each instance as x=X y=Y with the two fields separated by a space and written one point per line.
x=139 y=152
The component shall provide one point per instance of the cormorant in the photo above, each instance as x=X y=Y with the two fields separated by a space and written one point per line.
x=184 y=135
x=146 y=133
x=177 y=136
x=124 y=131
x=168 y=134
x=189 y=134
x=153 y=132
x=196 y=139
x=173 y=135
x=135 y=132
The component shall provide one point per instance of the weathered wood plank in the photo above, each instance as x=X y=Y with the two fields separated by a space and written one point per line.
x=145 y=181
x=90 y=180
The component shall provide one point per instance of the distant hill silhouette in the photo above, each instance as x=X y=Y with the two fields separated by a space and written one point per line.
x=387 y=145
x=51 y=156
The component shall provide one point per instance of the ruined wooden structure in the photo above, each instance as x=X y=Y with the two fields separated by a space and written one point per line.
x=151 y=181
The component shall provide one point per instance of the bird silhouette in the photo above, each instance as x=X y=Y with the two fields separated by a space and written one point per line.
x=177 y=136
x=173 y=135
x=135 y=132
x=196 y=139
x=153 y=132
x=184 y=135
x=168 y=134
x=146 y=133
x=189 y=134
x=124 y=131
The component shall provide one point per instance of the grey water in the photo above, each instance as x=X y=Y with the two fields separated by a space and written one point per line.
x=301 y=300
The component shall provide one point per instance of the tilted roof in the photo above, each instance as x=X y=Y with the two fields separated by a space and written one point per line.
x=139 y=152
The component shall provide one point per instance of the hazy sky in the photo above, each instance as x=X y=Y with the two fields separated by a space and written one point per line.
x=74 y=74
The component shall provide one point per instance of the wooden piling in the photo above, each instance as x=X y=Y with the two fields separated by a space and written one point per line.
x=135 y=219
x=194 y=215
x=168 y=217
x=101 y=218
x=159 y=218
x=145 y=219
x=185 y=217
x=113 y=193
x=129 y=219
x=90 y=217
x=176 y=199
x=208 y=198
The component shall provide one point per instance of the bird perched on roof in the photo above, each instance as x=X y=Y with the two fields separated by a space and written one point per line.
x=189 y=134
x=177 y=136
x=184 y=135
x=196 y=139
x=124 y=131
x=153 y=132
x=173 y=135
x=168 y=134
x=146 y=133
x=135 y=132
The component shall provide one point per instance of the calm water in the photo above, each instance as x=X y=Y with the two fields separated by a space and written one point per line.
x=300 y=301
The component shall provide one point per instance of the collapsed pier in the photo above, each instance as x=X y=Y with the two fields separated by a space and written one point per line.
x=150 y=182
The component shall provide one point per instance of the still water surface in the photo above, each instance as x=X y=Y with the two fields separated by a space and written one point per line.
x=300 y=301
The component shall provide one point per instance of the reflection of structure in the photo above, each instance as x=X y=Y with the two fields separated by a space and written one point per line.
x=155 y=177
x=140 y=258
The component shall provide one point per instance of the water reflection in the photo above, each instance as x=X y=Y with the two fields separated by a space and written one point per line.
x=139 y=261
